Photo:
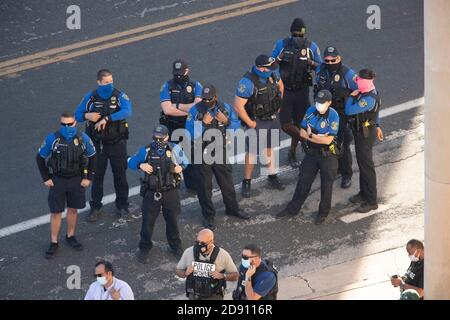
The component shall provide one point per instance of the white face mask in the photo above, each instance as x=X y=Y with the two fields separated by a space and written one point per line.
x=413 y=258
x=101 y=280
x=321 y=107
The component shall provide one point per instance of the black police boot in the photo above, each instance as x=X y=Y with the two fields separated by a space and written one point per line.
x=123 y=213
x=177 y=252
x=275 y=183
x=365 y=207
x=320 y=218
x=51 y=251
x=246 y=188
x=292 y=159
x=94 y=215
x=285 y=213
x=238 y=214
x=209 y=224
x=356 y=198
x=143 y=256
x=346 y=183
x=73 y=243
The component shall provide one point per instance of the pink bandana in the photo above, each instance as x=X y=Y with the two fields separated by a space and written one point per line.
x=364 y=85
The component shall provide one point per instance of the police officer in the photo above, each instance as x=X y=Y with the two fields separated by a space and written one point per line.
x=212 y=114
x=106 y=110
x=67 y=173
x=319 y=129
x=257 y=102
x=362 y=113
x=258 y=278
x=340 y=81
x=177 y=96
x=297 y=57
x=162 y=164
x=207 y=268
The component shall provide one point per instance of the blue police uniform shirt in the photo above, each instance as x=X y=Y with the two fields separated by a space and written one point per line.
x=196 y=128
x=87 y=106
x=245 y=87
x=140 y=157
x=313 y=47
x=328 y=125
x=263 y=283
x=46 y=148
x=164 y=93
x=347 y=82
x=355 y=106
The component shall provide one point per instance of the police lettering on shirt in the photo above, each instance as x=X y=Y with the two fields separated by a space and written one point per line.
x=203 y=269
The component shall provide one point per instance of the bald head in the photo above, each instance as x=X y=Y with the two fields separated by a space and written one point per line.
x=205 y=236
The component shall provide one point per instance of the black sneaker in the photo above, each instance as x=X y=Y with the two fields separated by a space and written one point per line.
x=365 y=207
x=320 y=218
x=346 y=183
x=73 y=242
x=285 y=213
x=94 y=215
x=246 y=188
x=238 y=214
x=143 y=256
x=177 y=252
x=292 y=159
x=275 y=183
x=356 y=198
x=51 y=251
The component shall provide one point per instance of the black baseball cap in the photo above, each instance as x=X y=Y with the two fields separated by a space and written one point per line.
x=366 y=74
x=331 y=51
x=265 y=61
x=209 y=92
x=160 y=132
x=179 y=67
x=323 y=96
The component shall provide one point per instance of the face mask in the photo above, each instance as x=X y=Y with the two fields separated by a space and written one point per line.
x=321 y=107
x=262 y=74
x=101 y=280
x=245 y=263
x=105 y=91
x=201 y=247
x=68 y=132
x=413 y=258
x=209 y=103
x=333 y=67
x=365 y=85
x=181 y=79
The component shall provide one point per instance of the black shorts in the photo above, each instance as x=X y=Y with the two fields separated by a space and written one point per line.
x=66 y=191
x=256 y=134
x=295 y=104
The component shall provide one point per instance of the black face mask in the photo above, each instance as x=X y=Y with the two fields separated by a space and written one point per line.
x=333 y=67
x=199 y=246
x=181 y=79
x=209 y=103
x=160 y=144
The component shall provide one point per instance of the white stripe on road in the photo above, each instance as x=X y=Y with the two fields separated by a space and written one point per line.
x=32 y=223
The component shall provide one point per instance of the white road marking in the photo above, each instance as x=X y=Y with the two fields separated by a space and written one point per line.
x=44 y=219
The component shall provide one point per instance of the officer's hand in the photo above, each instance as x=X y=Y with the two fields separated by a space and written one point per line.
x=396 y=282
x=146 y=168
x=208 y=118
x=217 y=275
x=250 y=271
x=92 y=116
x=189 y=270
x=178 y=169
x=49 y=183
x=100 y=125
x=85 y=183
x=115 y=294
x=380 y=136
x=354 y=93
x=221 y=117
x=252 y=124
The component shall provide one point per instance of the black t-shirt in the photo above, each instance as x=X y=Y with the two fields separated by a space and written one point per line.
x=414 y=274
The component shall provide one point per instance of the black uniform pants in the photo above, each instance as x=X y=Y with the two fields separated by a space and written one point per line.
x=224 y=178
x=364 y=157
x=311 y=164
x=116 y=153
x=344 y=139
x=170 y=204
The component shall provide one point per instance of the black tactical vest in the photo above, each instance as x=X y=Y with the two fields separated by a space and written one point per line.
x=265 y=266
x=68 y=159
x=332 y=82
x=266 y=99
x=372 y=114
x=294 y=69
x=114 y=130
x=205 y=287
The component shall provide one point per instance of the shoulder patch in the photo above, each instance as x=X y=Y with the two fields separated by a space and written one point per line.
x=362 y=103
x=168 y=154
x=242 y=88
x=334 y=125
x=125 y=97
x=189 y=117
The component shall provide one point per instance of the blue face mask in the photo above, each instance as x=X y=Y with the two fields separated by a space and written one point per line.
x=245 y=263
x=262 y=74
x=68 y=132
x=105 y=91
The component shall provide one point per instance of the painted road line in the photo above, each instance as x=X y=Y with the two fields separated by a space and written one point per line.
x=44 y=219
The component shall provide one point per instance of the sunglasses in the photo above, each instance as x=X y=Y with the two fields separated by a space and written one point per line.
x=67 y=124
x=98 y=275
x=246 y=258
x=208 y=100
x=201 y=243
x=330 y=60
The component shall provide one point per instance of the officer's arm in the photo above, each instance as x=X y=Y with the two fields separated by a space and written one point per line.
x=249 y=292
x=198 y=93
x=316 y=54
x=125 y=109
x=43 y=170
x=179 y=156
x=281 y=87
x=239 y=108
x=43 y=153
x=277 y=49
x=135 y=160
x=350 y=77
x=170 y=109
x=195 y=128
x=316 y=138
x=82 y=108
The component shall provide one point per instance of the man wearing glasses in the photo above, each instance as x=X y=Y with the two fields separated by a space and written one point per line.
x=206 y=268
x=67 y=173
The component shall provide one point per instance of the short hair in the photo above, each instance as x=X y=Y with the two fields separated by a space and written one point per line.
x=414 y=243
x=103 y=73
x=254 y=249
x=108 y=266
x=67 y=114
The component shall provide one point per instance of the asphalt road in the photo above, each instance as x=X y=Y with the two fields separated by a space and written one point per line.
x=218 y=52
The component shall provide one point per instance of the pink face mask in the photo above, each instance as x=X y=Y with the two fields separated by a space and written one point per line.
x=364 y=85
